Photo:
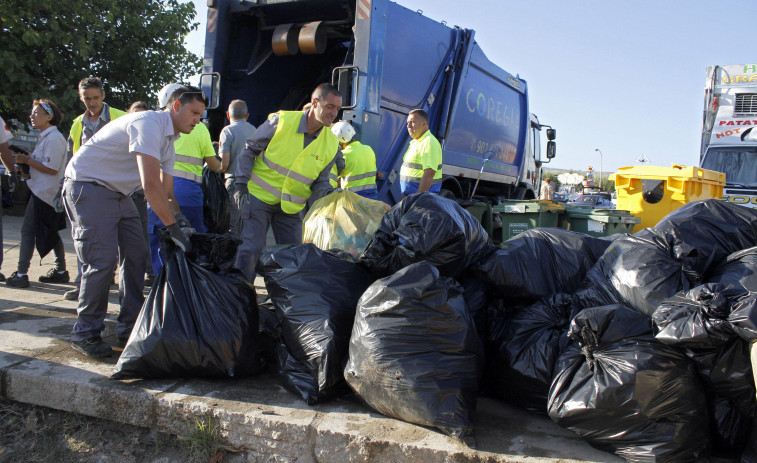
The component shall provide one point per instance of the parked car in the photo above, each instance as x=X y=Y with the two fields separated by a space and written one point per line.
x=560 y=197
x=595 y=200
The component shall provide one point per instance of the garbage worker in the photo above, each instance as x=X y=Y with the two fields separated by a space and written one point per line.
x=422 y=164
x=96 y=115
x=192 y=151
x=284 y=166
x=134 y=150
x=231 y=142
x=359 y=174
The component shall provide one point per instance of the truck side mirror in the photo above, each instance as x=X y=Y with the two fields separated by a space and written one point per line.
x=551 y=134
x=210 y=83
x=551 y=148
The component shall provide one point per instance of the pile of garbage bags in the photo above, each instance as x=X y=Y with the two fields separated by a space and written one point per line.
x=638 y=343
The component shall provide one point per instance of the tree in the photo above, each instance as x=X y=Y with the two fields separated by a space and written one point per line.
x=48 y=46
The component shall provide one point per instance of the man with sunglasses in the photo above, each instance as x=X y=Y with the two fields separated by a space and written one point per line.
x=192 y=151
x=136 y=150
x=284 y=166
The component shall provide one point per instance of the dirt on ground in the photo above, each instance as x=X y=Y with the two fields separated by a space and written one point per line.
x=36 y=434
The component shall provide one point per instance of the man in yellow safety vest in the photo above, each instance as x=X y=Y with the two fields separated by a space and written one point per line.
x=97 y=114
x=284 y=166
x=359 y=174
x=422 y=164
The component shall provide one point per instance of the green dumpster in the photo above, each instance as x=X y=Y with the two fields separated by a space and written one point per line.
x=483 y=213
x=599 y=222
x=520 y=215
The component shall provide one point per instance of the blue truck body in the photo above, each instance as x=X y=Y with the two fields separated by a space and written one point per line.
x=386 y=60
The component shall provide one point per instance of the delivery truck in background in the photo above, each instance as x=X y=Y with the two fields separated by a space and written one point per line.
x=386 y=60
x=729 y=131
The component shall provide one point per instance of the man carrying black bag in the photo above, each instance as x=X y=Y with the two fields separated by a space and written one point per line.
x=134 y=150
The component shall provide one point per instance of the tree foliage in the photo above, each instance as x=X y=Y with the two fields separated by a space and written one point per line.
x=48 y=46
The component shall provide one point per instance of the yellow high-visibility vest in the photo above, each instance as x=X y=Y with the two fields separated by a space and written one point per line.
x=284 y=172
x=413 y=165
x=78 y=127
x=191 y=150
x=359 y=167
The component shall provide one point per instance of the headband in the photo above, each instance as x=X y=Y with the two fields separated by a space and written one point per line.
x=46 y=106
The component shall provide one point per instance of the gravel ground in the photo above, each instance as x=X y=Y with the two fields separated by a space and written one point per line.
x=36 y=434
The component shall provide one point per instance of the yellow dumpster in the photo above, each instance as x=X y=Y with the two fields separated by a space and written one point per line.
x=652 y=192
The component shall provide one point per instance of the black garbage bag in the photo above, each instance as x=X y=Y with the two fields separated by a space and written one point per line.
x=198 y=320
x=625 y=392
x=703 y=233
x=697 y=322
x=216 y=209
x=539 y=263
x=315 y=295
x=414 y=353
x=528 y=347
x=475 y=293
x=426 y=227
x=637 y=271
x=740 y=271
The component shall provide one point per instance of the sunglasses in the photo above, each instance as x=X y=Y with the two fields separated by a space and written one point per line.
x=191 y=92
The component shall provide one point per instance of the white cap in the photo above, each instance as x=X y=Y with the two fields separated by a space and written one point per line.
x=165 y=93
x=343 y=131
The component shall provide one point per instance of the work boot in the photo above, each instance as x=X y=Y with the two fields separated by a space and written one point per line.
x=55 y=276
x=16 y=281
x=72 y=295
x=2 y=277
x=93 y=347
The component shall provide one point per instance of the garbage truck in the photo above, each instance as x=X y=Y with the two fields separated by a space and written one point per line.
x=386 y=60
x=729 y=130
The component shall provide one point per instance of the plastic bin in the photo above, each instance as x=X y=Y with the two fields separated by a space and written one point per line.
x=483 y=213
x=599 y=222
x=520 y=215
x=652 y=192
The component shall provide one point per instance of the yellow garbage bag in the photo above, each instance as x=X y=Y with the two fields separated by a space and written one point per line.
x=343 y=220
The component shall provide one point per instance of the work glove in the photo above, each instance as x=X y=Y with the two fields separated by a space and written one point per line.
x=241 y=196
x=182 y=221
x=12 y=181
x=179 y=238
x=58 y=201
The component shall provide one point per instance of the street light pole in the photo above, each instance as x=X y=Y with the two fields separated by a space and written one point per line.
x=600 y=167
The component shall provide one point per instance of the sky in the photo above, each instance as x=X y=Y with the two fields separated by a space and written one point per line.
x=626 y=78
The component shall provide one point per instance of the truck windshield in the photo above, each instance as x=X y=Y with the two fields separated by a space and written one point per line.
x=738 y=164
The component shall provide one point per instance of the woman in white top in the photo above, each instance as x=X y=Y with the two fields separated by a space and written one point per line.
x=41 y=223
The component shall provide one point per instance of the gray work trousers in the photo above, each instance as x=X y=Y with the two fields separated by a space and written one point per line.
x=234 y=223
x=105 y=223
x=256 y=217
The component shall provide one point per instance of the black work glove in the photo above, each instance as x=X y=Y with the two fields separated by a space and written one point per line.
x=179 y=237
x=182 y=221
x=241 y=195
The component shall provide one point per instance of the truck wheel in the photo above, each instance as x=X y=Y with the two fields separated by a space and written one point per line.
x=444 y=193
x=451 y=188
x=519 y=193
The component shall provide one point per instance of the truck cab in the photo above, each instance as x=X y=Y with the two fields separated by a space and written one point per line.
x=729 y=136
